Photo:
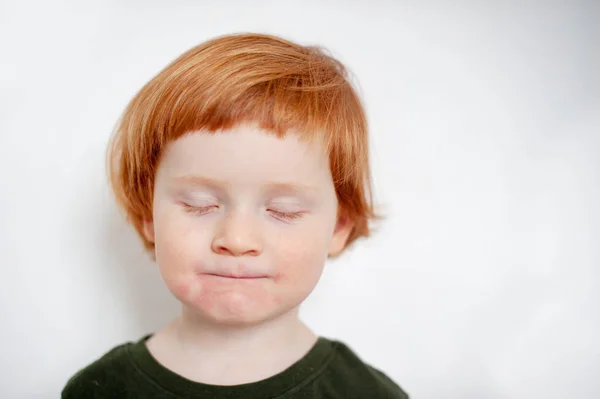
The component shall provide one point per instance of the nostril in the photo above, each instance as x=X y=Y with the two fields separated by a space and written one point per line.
x=222 y=249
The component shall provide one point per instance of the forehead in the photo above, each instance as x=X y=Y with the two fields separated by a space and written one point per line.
x=246 y=154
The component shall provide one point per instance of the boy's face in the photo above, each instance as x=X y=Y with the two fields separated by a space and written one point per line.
x=243 y=222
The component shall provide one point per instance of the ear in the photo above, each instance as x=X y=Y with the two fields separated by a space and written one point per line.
x=342 y=231
x=148 y=229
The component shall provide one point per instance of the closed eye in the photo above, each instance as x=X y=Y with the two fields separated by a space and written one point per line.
x=287 y=216
x=199 y=210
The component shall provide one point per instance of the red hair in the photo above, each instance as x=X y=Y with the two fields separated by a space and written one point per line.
x=244 y=78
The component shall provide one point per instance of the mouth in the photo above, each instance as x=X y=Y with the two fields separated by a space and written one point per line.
x=232 y=277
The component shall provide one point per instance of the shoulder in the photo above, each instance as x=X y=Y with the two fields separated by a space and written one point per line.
x=102 y=377
x=358 y=378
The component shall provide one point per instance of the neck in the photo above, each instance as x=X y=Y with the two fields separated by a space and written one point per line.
x=231 y=355
x=195 y=333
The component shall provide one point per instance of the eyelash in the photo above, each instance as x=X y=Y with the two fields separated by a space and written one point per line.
x=288 y=216
x=203 y=210
x=198 y=210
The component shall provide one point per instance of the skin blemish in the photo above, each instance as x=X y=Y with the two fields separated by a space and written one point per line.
x=183 y=289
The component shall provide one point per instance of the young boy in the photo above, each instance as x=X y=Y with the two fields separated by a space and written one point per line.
x=242 y=165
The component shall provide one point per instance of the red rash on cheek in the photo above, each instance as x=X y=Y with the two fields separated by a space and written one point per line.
x=183 y=289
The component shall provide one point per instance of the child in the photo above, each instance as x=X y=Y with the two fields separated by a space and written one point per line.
x=242 y=165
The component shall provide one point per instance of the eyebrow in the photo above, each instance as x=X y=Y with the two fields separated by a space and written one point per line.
x=275 y=187
x=200 y=181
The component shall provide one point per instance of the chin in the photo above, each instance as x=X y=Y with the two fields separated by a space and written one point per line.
x=236 y=309
x=233 y=316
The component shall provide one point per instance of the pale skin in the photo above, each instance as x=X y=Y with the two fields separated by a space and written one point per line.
x=242 y=223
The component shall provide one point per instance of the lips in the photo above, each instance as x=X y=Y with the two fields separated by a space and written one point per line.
x=232 y=276
x=233 y=271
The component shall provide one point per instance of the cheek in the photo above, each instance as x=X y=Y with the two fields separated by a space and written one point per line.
x=300 y=263
x=297 y=275
x=182 y=288
x=178 y=248
x=176 y=237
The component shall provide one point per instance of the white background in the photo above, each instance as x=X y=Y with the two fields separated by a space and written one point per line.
x=482 y=283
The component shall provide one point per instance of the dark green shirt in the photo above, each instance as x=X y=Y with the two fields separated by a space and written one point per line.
x=329 y=370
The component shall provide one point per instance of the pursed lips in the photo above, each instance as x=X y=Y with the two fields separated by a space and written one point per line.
x=237 y=277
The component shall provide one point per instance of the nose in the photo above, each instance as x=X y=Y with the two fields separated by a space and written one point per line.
x=237 y=235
